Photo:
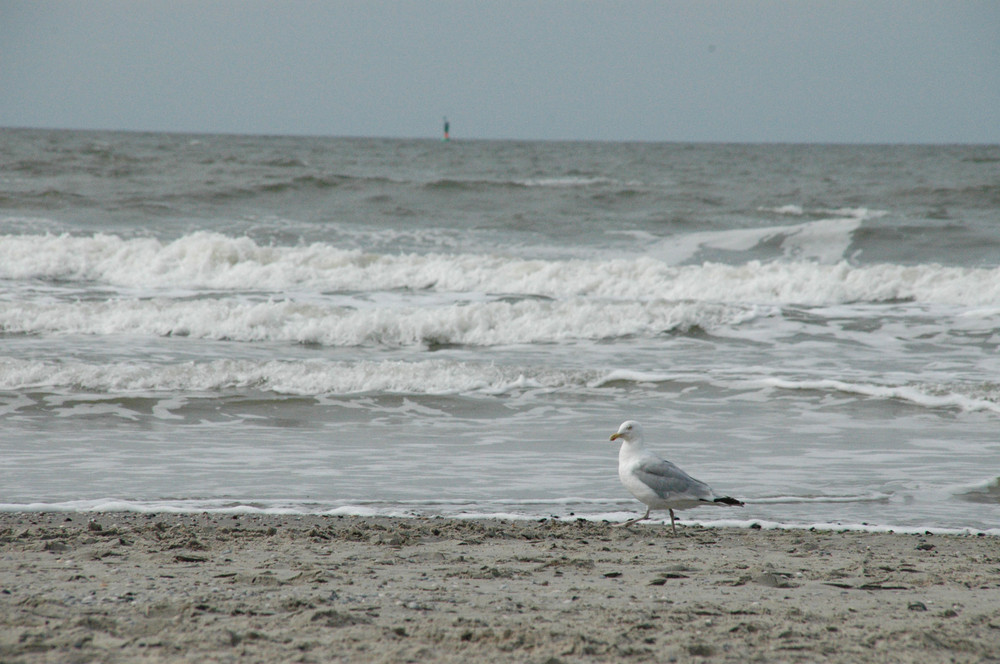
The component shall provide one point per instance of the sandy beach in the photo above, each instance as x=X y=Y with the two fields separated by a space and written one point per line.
x=125 y=587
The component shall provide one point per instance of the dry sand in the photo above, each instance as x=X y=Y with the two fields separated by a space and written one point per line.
x=213 y=588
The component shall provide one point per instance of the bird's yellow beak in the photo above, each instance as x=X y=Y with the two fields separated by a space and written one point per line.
x=615 y=436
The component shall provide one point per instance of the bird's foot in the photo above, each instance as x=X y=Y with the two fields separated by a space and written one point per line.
x=635 y=520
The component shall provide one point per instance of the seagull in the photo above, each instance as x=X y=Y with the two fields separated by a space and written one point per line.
x=656 y=482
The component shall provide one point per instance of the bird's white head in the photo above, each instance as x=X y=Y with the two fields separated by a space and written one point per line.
x=629 y=432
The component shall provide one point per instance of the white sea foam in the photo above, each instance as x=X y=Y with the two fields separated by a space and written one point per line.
x=476 y=323
x=314 y=377
x=631 y=376
x=840 y=527
x=961 y=397
x=213 y=261
x=860 y=498
x=157 y=507
x=568 y=181
x=799 y=211
x=791 y=210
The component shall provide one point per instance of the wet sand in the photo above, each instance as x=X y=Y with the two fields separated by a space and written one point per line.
x=220 y=588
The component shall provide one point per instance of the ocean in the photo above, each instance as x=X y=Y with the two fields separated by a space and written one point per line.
x=195 y=323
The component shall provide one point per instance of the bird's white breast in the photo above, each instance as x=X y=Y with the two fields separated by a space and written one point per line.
x=628 y=461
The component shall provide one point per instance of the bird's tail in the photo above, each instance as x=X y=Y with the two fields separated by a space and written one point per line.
x=726 y=500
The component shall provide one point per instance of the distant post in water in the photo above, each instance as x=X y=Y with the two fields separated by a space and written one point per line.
x=447 y=126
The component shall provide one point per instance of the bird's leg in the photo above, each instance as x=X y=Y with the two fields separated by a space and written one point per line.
x=640 y=518
x=672 y=526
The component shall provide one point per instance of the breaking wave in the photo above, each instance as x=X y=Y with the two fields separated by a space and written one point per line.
x=204 y=260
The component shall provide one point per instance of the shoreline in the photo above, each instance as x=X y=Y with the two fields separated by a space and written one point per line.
x=126 y=586
x=140 y=508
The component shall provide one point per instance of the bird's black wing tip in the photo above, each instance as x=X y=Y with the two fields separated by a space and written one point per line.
x=726 y=500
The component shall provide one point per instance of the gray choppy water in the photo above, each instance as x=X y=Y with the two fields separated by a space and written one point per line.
x=221 y=322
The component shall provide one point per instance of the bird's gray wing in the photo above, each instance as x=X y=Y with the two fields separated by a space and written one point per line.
x=667 y=480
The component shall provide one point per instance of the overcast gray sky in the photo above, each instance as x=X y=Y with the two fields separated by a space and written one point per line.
x=779 y=70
